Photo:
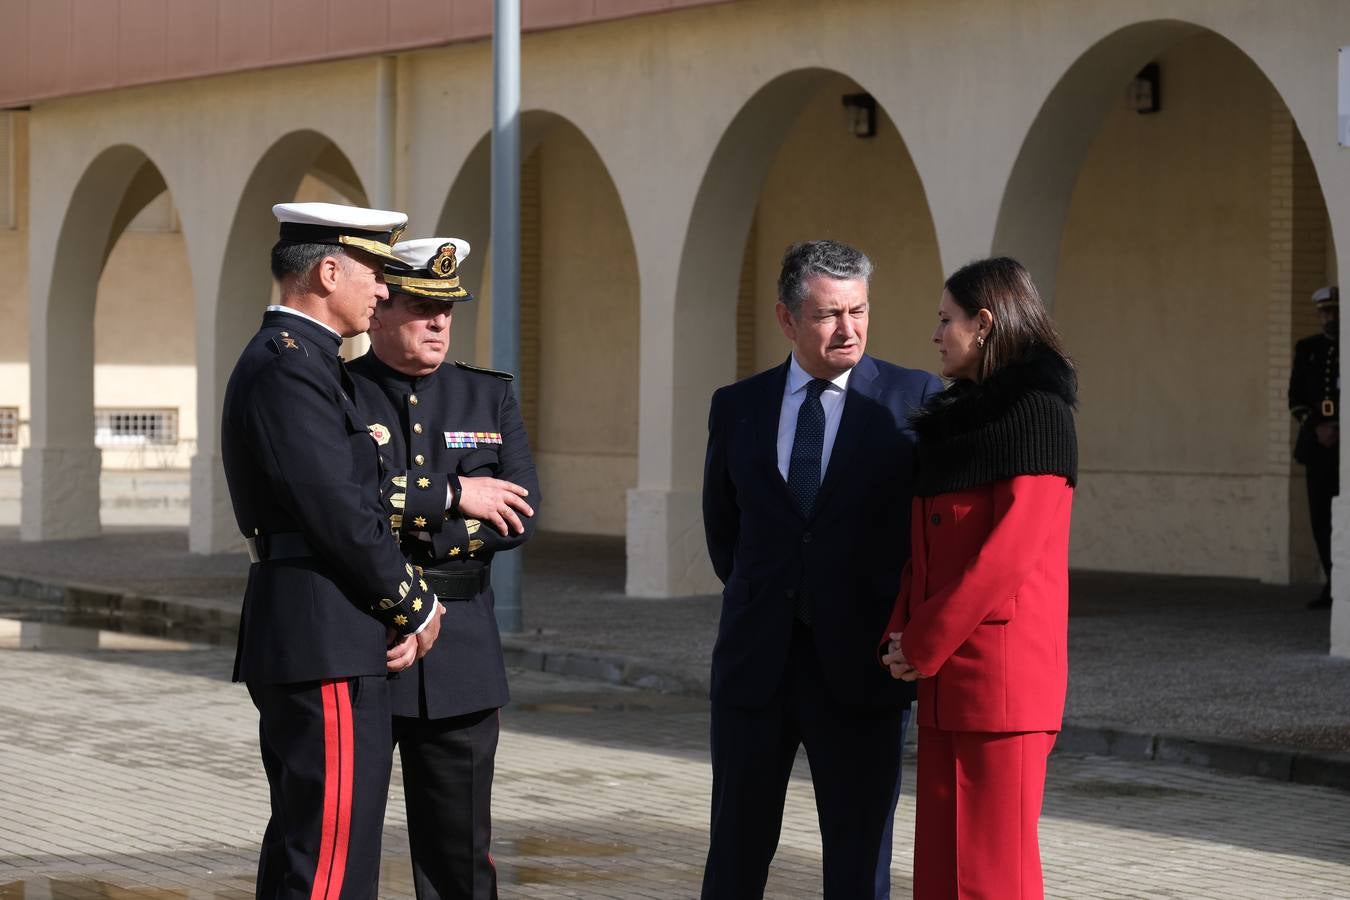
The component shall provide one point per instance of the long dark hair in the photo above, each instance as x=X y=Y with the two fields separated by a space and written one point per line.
x=1021 y=324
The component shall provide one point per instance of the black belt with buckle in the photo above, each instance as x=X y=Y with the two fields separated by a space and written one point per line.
x=282 y=545
x=458 y=584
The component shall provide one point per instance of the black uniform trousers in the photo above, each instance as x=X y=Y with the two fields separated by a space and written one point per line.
x=327 y=752
x=449 y=762
x=1323 y=474
x=851 y=750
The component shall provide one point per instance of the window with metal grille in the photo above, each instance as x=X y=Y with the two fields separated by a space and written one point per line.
x=130 y=427
x=9 y=425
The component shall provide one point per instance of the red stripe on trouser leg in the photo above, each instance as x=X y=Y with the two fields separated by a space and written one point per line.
x=337 y=790
x=345 y=768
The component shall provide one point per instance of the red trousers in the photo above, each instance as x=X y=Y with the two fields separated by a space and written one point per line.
x=979 y=800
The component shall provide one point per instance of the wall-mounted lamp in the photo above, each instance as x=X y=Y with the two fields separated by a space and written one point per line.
x=862 y=114
x=1144 y=94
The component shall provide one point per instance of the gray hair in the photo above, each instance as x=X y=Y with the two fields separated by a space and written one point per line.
x=299 y=259
x=803 y=260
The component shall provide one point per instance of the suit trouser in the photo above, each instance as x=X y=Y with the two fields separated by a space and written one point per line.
x=979 y=802
x=854 y=754
x=1323 y=469
x=327 y=753
x=447 y=785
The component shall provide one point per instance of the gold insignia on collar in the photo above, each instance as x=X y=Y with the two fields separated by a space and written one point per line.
x=420 y=522
x=423 y=583
x=454 y=551
x=475 y=545
x=400 y=619
x=289 y=343
x=443 y=264
x=471 y=526
x=424 y=482
x=417 y=605
x=386 y=603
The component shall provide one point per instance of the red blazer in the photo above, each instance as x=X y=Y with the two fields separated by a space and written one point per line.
x=984 y=605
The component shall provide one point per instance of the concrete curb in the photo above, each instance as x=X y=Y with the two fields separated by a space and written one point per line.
x=204 y=621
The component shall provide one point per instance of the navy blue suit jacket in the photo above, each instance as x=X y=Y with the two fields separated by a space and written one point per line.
x=845 y=559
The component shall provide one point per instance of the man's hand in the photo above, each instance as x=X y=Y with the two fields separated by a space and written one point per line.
x=402 y=652
x=427 y=636
x=1328 y=433
x=900 y=667
x=496 y=502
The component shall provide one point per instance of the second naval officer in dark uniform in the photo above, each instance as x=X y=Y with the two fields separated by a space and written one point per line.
x=457 y=471
x=1314 y=399
x=328 y=589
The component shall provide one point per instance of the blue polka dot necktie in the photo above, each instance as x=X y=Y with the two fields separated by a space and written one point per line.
x=804 y=464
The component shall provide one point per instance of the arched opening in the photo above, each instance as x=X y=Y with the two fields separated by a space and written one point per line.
x=1180 y=248
x=112 y=357
x=579 y=318
x=302 y=165
x=145 y=368
x=867 y=193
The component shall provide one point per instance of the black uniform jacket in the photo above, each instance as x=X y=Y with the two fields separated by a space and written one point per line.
x=302 y=466
x=456 y=420
x=1314 y=390
x=845 y=557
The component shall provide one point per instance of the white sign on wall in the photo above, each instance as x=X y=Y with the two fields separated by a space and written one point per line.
x=1343 y=98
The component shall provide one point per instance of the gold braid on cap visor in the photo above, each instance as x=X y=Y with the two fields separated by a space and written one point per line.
x=445 y=288
x=382 y=250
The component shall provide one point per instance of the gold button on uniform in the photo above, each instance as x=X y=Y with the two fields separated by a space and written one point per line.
x=419 y=459
x=417 y=429
x=412 y=398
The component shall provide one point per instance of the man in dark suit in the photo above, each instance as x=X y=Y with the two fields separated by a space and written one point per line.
x=1314 y=398
x=806 y=504
x=457 y=471
x=328 y=588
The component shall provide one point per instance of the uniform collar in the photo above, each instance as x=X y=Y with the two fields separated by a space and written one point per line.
x=387 y=376
x=308 y=325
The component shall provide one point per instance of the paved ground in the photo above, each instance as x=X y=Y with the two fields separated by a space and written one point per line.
x=1211 y=658
x=132 y=773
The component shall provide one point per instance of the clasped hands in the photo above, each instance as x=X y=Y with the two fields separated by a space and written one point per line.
x=497 y=502
x=500 y=504
x=900 y=667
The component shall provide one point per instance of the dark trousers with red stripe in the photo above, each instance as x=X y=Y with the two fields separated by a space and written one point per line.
x=447 y=785
x=327 y=751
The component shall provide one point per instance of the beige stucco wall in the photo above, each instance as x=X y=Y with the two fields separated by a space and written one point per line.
x=826 y=183
x=586 y=447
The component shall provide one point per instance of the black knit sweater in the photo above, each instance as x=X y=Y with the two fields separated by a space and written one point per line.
x=1018 y=421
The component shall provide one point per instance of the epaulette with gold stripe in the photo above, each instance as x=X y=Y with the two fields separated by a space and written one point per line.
x=468 y=367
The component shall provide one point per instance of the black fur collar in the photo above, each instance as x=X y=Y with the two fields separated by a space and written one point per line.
x=970 y=405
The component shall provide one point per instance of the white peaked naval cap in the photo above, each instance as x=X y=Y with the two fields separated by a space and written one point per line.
x=428 y=267
x=371 y=230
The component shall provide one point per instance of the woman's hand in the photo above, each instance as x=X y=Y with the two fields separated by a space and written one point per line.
x=900 y=667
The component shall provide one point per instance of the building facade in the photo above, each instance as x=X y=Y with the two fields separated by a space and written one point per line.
x=672 y=150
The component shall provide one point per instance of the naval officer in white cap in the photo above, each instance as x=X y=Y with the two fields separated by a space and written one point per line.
x=328 y=590
x=460 y=486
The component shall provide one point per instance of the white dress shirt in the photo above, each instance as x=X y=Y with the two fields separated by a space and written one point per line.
x=794 y=392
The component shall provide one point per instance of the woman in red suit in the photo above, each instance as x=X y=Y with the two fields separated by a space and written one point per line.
x=982 y=617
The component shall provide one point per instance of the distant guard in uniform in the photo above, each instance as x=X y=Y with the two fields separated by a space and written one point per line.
x=328 y=590
x=1314 y=399
x=457 y=475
